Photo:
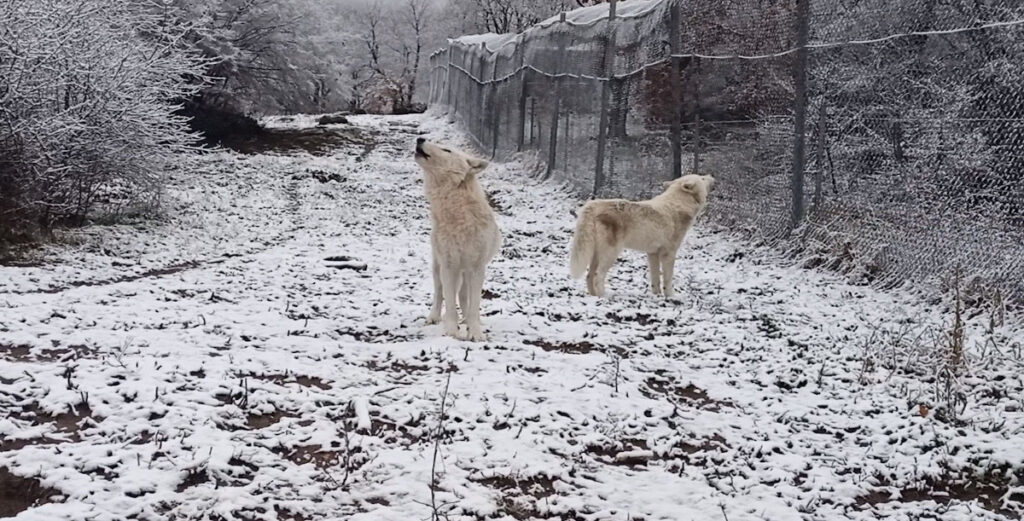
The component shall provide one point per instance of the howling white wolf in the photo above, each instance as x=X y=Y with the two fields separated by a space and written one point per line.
x=464 y=236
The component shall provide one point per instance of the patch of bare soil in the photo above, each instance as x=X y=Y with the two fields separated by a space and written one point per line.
x=665 y=385
x=392 y=432
x=152 y=273
x=988 y=490
x=238 y=472
x=289 y=378
x=573 y=348
x=15 y=353
x=375 y=335
x=25 y=353
x=18 y=494
x=320 y=458
x=519 y=495
x=193 y=478
x=7 y=444
x=639 y=318
x=318 y=141
x=68 y=423
x=262 y=421
x=636 y=453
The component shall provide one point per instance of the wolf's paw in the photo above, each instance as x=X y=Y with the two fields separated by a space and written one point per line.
x=433 y=318
x=475 y=334
x=451 y=329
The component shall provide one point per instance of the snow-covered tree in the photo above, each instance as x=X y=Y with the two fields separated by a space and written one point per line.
x=87 y=97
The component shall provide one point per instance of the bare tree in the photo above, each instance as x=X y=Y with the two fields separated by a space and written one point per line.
x=509 y=16
x=394 y=39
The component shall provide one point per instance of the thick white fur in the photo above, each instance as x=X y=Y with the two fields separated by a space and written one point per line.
x=464 y=236
x=656 y=227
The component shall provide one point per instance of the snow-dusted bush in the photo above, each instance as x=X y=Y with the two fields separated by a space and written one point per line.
x=87 y=96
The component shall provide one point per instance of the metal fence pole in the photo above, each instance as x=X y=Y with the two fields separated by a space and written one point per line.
x=676 y=77
x=553 y=145
x=453 y=98
x=497 y=113
x=481 y=94
x=820 y=157
x=800 y=110
x=607 y=68
x=520 y=66
x=565 y=138
x=448 y=78
x=696 y=116
x=533 y=112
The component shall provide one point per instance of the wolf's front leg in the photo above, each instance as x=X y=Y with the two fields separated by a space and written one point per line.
x=435 y=310
x=449 y=287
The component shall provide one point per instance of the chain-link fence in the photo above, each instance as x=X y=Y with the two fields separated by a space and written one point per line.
x=884 y=139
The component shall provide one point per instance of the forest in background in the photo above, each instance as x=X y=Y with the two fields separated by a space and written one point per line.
x=98 y=98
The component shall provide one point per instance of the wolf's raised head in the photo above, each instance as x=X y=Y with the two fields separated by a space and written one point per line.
x=445 y=164
x=694 y=185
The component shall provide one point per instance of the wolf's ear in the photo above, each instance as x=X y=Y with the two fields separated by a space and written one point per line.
x=477 y=165
x=689 y=185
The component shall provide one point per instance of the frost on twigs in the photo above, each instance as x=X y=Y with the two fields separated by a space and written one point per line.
x=88 y=94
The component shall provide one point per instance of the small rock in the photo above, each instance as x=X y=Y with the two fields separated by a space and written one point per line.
x=333 y=119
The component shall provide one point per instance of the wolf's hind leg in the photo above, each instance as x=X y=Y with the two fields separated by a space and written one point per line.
x=473 y=281
x=668 y=266
x=464 y=297
x=592 y=276
x=654 y=267
x=605 y=260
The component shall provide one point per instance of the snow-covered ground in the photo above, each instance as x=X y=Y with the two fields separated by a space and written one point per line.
x=213 y=365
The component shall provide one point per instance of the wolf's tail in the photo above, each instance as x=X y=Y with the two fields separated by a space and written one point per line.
x=583 y=239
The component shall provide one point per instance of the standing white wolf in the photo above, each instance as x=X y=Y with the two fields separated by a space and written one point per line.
x=657 y=227
x=464 y=236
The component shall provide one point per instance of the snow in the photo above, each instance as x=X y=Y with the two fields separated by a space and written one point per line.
x=591 y=14
x=494 y=42
x=230 y=370
x=500 y=43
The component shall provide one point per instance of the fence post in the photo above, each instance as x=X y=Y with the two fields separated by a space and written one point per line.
x=523 y=82
x=553 y=145
x=453 y=99
x=497 y=113
x=800 y=110
x=820 y=157
x=676 y=78
x=533 y=117
x=607 y=67
x=448 y=79
x=481 y=94
x=696 y=115
x=565 y=137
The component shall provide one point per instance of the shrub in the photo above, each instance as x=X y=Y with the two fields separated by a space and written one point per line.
x=87 y=97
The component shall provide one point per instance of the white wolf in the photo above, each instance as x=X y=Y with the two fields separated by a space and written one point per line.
x=464 y=236
x=657 y=227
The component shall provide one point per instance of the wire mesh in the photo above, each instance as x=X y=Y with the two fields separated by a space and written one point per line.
x=910 y=116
